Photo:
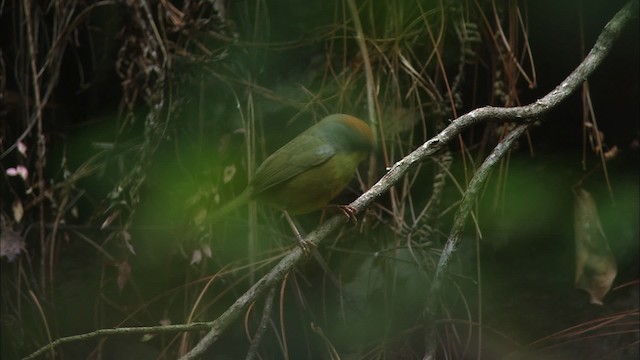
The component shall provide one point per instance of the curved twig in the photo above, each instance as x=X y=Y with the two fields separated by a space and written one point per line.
x=525 y=115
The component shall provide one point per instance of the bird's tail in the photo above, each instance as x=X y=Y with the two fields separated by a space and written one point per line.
x=232 y=205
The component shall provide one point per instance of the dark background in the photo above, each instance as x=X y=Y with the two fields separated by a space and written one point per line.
x=526 y=253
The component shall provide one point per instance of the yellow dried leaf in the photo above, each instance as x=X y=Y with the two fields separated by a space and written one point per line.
x=18 y=210
x=200 y=217
x=196 y=257
x=229 y=173
x=595 y=264
x=611 y=153
x=206 y=250
x=109 y=220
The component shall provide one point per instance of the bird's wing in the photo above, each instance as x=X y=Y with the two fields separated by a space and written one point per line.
x=295 y=157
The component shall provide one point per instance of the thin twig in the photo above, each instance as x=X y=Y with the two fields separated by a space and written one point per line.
x=371 y=85
x=521 y=114
x=524 y=115
x=266 y=315
x=595 y=57
x=160 y=329
x=468 y=200
x=41 y=147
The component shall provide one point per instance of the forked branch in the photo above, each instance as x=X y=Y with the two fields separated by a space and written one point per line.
x=523 y=115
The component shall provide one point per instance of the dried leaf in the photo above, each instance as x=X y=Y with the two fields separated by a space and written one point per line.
x=22 y=148
x=126 y=236
x=109 y=220
x=195 y=198
x=595 y=265
x=200 y=217
x=18 y=210
x=11 y=244
x=229 y=173
x=196 y=256
x=206 y=250
x=124 y=274
x=611 y=153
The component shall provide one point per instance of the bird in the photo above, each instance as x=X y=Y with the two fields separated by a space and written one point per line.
x=310 y=170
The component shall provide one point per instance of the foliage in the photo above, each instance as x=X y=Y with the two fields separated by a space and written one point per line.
x=126 y=123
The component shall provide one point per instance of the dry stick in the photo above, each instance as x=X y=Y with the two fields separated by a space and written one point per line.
x=522 y=114
x=41 y=146
x=516 y=114
x=371 y=86
x=600 y=50
x=459 y=221
x=598 y=53
x=262 y=328
x=160 y=329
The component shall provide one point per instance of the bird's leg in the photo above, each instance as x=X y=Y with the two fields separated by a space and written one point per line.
x=304 y=244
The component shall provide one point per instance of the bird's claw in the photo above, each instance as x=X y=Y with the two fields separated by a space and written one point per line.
x=349 y=212
x=306 y=246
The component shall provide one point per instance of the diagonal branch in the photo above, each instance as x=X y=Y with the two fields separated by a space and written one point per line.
x=598 y=53
x=525 y=115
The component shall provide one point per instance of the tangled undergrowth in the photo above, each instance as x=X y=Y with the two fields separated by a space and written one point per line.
x=125 y=123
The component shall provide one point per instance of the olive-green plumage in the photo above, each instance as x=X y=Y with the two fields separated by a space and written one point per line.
x=311 y=169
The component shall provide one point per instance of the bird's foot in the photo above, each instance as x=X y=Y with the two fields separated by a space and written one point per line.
x=306 y=245
x=349 y=212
